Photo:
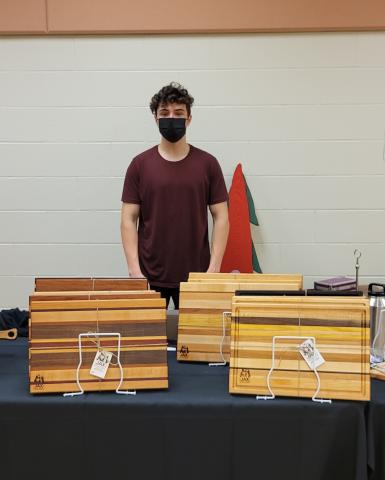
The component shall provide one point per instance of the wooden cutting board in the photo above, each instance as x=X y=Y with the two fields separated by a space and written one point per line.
x=92 y=295
x=204 y=299
x=10 y=334
x=340 y=326
x=79 y=284
x=377 y=374
x=295 y=281
x=54 y=344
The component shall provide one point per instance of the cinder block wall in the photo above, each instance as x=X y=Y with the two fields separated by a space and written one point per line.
x=303 y=113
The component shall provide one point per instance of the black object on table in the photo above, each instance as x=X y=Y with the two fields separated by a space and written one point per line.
x=195 y=430
x=274 y=293
x=311 y=292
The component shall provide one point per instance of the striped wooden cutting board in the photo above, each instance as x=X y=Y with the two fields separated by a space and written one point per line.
x=291 y=281
x=92 y=295
x=53 y=345
x=79 y=284
x=340 y=326
x=204 y=299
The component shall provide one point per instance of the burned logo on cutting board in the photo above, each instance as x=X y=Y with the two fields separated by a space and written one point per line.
x=184 y=351
x=38 y=382
x=244 y=375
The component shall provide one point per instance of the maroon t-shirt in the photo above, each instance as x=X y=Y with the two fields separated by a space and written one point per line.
x=173 y=199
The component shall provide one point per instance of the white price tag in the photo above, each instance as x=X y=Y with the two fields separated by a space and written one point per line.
x=310 y=354
x=101 y=363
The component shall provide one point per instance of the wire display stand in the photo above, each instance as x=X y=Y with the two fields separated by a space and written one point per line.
x=223 y=362
x=272 y=395
x=98 y=335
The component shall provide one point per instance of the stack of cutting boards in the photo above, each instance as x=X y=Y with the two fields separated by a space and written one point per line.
x=203 y=300
x=340 y=326
x=61 y=309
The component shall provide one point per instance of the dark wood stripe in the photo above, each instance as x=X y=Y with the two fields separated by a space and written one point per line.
x=282 y=354
x=129 y=329
x=347 y=374
x=304 y=322
x=103 y=380
x=101 y=296
x=93 y=322
x=94 y=309
x=105 y=343
x=80 y=284
x=67 y=360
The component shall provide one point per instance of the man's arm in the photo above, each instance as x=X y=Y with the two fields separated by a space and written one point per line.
x=128 y=229
x=220 y=215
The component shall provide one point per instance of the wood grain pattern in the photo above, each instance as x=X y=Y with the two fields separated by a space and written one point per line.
x=53 y=343
x=268 y=278
x=340 y=326
x=81 y=284
x=205 y=297
x=92 y=295
x=10 y=334
x=377 y=374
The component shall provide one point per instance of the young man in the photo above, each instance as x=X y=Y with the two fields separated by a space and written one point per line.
x=168 y=188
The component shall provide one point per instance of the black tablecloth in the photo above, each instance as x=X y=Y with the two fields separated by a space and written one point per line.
x=195 y=430
x=376 y=431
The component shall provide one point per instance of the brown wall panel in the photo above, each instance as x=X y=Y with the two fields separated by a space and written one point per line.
x=193 y=16
x=23 y=16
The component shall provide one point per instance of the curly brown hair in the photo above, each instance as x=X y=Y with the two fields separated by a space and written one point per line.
x=171 y=93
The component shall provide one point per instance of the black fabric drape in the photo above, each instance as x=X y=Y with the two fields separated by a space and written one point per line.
x=195 y=430
x=15 y=318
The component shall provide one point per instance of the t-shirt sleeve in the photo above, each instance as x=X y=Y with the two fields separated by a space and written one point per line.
x=218 y=191
x=131 y=192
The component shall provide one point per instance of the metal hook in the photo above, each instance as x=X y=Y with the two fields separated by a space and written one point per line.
x=357 y=254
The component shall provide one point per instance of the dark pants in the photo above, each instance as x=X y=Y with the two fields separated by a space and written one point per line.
x=168 y=293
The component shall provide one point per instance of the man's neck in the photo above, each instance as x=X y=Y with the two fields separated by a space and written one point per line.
x=173 y=152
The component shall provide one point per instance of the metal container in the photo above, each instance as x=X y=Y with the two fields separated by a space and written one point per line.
x=376 y=293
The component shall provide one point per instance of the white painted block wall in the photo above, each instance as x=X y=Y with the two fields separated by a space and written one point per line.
x=303 y=113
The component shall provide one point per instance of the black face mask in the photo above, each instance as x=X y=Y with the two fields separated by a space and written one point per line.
x=172 y=129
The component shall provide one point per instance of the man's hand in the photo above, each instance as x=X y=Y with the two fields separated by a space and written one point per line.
x=214 y=269
x=220 y=215
x=136 y=274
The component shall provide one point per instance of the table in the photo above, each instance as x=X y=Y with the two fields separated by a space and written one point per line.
x=195 y=430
